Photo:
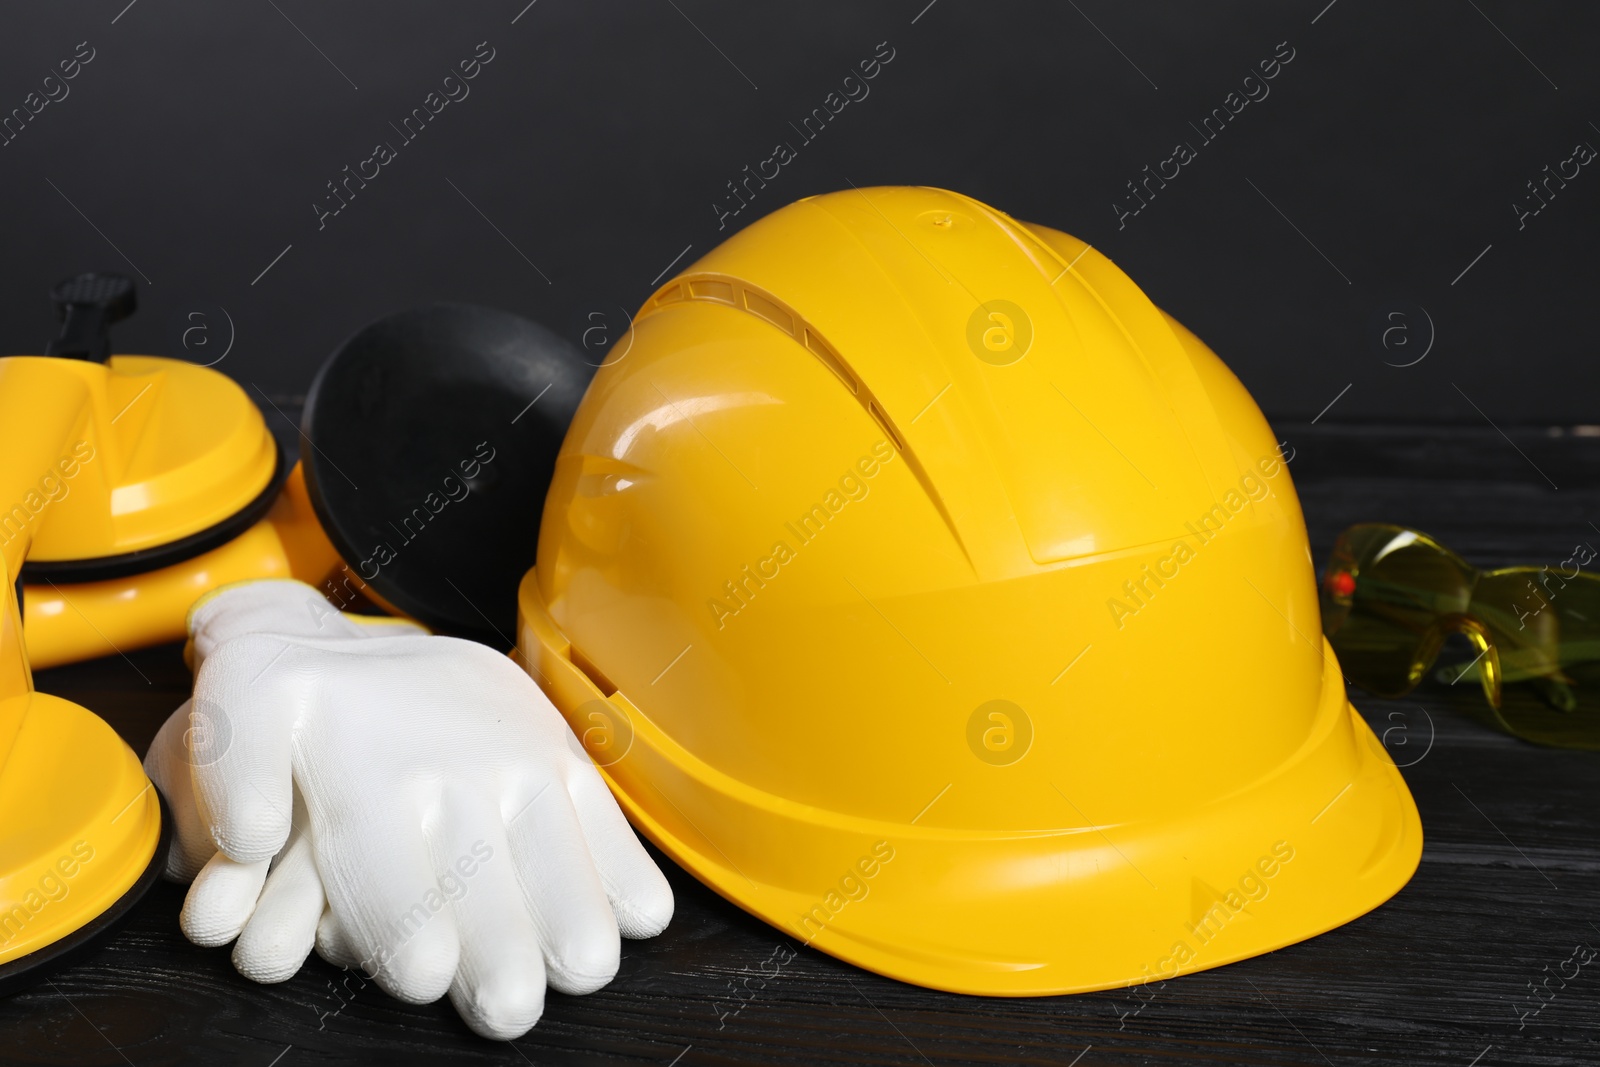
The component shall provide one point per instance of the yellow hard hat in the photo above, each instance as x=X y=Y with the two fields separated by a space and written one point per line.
x=927 y=592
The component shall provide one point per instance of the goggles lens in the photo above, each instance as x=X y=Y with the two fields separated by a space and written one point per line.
x=1391 y=596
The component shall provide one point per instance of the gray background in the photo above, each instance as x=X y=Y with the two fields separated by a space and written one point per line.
x=590 y=151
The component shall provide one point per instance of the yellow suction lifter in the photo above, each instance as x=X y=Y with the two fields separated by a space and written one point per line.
x=128 y=484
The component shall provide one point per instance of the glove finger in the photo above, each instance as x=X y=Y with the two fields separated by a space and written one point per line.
x=576 y=927
x=500 y=981
x=332 y=944
x=167 y=765
x=244 y=704
x=283 y=927
x=381 y=888
x=640 y=897
x=221 y=900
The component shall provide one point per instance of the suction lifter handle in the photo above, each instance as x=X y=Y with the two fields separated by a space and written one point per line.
x=87 y=305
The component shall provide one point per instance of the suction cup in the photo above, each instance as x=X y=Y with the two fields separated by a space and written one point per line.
x=431 y=438
x=178 y=458
x=25 y=971
x=83 y=833
x=180 y=550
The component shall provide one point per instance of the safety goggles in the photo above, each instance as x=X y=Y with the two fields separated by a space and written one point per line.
x=1391 y=596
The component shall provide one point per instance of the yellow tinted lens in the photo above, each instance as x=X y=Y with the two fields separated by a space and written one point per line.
x=1389 y=596
x=1546 y=629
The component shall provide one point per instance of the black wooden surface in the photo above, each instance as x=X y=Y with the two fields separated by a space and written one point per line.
x=1509 y=885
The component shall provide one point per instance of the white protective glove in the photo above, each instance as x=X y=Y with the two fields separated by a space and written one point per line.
x=412 y=805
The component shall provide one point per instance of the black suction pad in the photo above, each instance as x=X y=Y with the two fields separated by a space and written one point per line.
x=430 y=440
x=87 y=305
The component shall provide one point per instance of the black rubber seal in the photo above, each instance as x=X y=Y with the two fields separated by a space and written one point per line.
x=104 y=568
x=432 y=436
x=27 y=971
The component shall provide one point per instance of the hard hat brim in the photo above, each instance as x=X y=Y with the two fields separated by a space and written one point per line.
x=1326 y=836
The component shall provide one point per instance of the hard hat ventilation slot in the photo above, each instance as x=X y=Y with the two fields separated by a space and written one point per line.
x=722 y=289
x=820 y=349
x=885 y=425
x=606 y=686
x=770 y=310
